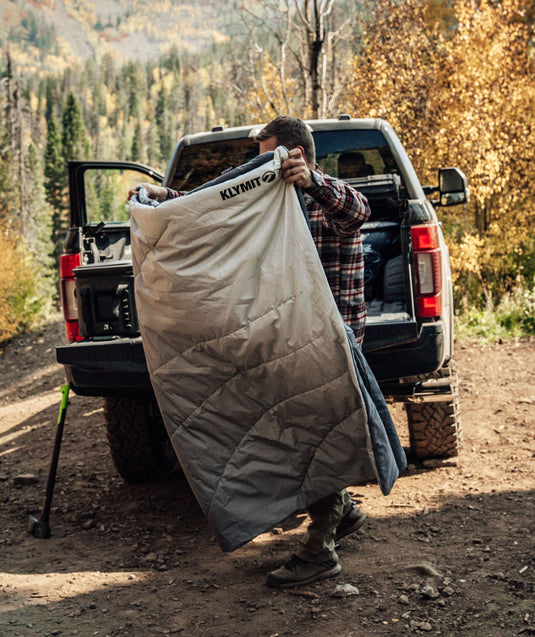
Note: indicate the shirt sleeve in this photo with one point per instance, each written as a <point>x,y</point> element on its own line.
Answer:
<point>344,208</point>
<point>173,194</point>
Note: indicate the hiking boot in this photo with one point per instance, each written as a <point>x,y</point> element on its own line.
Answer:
<point>350,522</point>
<point>297,572</point>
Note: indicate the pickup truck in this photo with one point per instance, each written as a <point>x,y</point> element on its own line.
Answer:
<point>409,332</point>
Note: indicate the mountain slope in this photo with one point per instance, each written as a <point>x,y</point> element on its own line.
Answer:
<point>53,34</point>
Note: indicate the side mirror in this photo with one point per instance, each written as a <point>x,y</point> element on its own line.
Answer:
<point>453,187</point>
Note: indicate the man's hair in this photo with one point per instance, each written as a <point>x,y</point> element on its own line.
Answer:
<point>290,132</point>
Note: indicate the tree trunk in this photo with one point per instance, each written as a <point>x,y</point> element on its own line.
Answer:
<point>14,118</point>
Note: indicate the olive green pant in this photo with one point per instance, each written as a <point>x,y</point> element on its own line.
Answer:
<point>325,515</point>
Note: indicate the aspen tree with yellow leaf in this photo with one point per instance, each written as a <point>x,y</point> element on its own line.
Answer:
<point>459,89</point>
<point>395,71</point>
<point>18,290</point>
<point>485,96</point>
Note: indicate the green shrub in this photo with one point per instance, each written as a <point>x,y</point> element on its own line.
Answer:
<point>512,318</point>
<point>516,311</point>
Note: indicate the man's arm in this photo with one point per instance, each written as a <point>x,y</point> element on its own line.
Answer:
<point>158,193</point>
<point>345,208</point>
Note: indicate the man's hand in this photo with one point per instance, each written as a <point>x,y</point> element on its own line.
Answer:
<point>295,169</point>
<point>159,193</point>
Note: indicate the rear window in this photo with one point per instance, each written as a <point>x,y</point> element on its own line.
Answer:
<point>200,163</point>
<point>346,154</point>
<point>354,153</point>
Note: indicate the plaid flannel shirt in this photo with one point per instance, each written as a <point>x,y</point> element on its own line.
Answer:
<point>336,211</point>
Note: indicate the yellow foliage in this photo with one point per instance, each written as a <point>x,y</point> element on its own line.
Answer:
<point>489,264</point>
<point>219,38</point>
<point>110,100</point>
<point>394,75</point>
<point>17,287</point>
<point>34,103</point>
<point>485,97</point>
<point>463,97</point>
<point>466,256</point>
<point>270,96</point>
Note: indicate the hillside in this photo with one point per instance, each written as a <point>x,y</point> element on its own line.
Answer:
<point>45,35</point>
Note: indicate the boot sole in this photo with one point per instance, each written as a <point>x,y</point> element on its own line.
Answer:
<point>276,583</point>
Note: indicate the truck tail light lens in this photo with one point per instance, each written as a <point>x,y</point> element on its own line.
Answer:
<point>67,263</point>
<point>428,270</point>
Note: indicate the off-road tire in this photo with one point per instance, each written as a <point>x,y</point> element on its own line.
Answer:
<point>435,428</point>
<point>138,441</point>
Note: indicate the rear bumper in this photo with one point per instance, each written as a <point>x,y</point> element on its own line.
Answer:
<point>118,367</point>
<point>106,368</point>
<point>423,356</point>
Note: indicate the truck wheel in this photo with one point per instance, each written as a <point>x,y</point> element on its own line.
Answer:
<point>434,415</point>
<point>138,441</point>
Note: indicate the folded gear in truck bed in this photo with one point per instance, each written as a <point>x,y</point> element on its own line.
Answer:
<point>385,195</point>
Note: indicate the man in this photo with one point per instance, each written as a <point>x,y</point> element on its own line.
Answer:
<point>335,212</point>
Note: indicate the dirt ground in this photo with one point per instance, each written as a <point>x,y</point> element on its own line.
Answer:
<point>449,552</point>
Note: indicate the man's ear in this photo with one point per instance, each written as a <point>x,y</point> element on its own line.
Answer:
<point>305,157</point>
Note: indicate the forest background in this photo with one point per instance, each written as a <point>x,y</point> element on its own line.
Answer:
<point>110,80</point>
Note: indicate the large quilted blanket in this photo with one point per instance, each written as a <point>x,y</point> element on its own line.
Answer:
<point>266,400</point>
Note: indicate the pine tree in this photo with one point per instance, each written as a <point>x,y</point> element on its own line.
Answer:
<point>136,87</point>
<point>162,124</point>
<point>50,92</point>
<point>74,140</point>
<point>41,246</point>
<point>55,184</point>
<point>136,153</point>
<point>14,168</point>
<point>54,170</point>
<point>152,149</point>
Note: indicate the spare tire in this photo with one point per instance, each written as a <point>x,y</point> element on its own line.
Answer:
<point>434,420</point>
<point>394,280</point>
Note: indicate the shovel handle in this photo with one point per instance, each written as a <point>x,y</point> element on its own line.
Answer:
<point>64,400</point>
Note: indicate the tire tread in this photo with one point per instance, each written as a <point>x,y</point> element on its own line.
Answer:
<point>435,427</point>
<point>138,442</point>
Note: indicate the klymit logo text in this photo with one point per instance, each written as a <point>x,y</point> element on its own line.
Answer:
<point>234,191</point>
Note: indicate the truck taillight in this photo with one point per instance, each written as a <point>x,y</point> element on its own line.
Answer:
<point>67,263</point>
<point>428,269</point>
